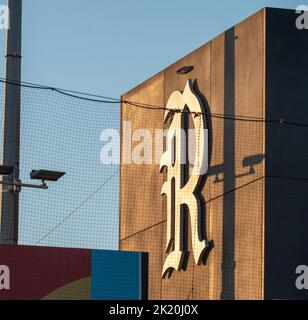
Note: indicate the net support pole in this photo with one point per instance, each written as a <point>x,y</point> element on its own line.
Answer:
<point>9,199</point>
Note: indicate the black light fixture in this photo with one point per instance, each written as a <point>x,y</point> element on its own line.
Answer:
<point>47,175</point>
<point>6,170</point>
<point>16,184</point>
<point>185,70</point>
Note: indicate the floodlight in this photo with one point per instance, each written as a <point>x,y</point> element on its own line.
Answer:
<point>46,175</point>
<point>6,170</point>
<point>185,70</point>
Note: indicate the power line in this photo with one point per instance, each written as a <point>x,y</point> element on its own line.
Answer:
<point>77,208</point>
<point>103,99</point>
<point>44,87</point>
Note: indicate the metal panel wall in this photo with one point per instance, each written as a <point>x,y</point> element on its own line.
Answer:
<point>229,73</point>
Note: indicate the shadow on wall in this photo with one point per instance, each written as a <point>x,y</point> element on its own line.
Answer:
<point>228,169</point>
<point>225,173</point>
<point>248,162</point>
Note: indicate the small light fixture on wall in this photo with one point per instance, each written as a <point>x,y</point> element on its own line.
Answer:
<point>185,70</point>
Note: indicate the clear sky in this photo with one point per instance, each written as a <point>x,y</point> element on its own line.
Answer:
<point>109,46</point>
<point>105,47</point>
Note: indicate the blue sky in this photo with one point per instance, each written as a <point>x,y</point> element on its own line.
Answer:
<point>103,47</point>
<point>109,46</point>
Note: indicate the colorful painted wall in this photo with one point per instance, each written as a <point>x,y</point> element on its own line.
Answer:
<point>59,273</point>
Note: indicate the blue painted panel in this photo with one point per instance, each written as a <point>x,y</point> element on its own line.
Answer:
<point>116,275</point>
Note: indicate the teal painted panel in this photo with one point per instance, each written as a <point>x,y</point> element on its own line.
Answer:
<point>118,275</point>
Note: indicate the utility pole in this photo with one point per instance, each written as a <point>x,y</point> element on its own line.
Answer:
<point>9,197</point>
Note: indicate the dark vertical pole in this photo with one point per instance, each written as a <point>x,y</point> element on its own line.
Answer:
<point>228,263</point>
<point>9,199</point>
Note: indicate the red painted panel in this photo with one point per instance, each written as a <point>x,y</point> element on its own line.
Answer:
<point>37,271</point>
